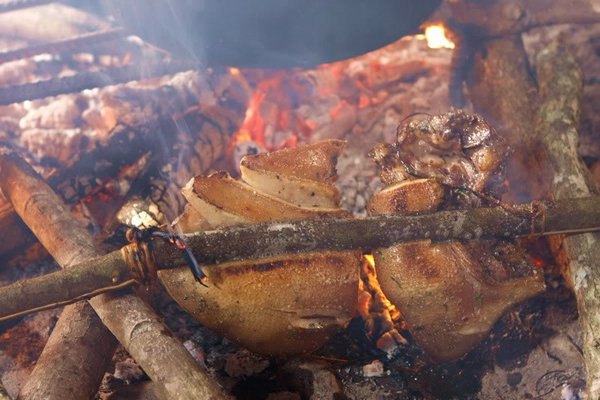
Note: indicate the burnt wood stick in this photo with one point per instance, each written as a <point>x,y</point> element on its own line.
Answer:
<point>71,44</point>
<point>89,80</point>
<point>72,348</point>
<point>201,134</point>
<point>12,5</point>
<point>503,18</point>
<point>557,121</point>
<point>130,320</point>
<point>291,237</point>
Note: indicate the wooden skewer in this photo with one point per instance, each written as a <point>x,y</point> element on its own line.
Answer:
<point>115,270</point>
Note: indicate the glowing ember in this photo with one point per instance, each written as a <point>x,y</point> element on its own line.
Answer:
<point>267,114</point>
<point>436,37</point>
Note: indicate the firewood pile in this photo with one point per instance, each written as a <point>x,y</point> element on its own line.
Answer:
<point>272,163</point>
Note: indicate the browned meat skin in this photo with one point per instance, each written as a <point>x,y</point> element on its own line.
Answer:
<point>457,149</point>
<point>450,294</point>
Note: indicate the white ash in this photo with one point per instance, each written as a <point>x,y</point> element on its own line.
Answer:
<point>374,369</point>
<point>569,392</point>
<point>358,179</point>
<point>59,114</point>
<point>547,370</point>
<point>195,350</point>
<point>243,149</point>
<point>17,72</point>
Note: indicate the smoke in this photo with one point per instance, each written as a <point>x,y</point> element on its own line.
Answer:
<point>270,33</point>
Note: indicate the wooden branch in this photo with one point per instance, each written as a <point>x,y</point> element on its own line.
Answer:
<point>561,87</point>
<point>275,239</point>
<point>13,5</point>
<point>133,145</point>
<point>72,44</point>
<point>504,18</point>
<point>130,320</point>
<point>89,80</point>
<point>501,89</point>
<point>72,349</point>
<point>512,98</point>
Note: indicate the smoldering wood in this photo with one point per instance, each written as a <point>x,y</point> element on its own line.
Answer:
<point>60,21</point>
<point>557,122</point>
<point>13,5</point>
<point>290,237</point>
<point>71,44</point>
<point>130,320</point>
<point>202,134</point>
<point>89,80</point>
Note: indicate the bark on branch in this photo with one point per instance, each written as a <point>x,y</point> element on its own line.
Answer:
<point>273,239</point>
<point>79,345</point>
<point>129,319</point>
<point>561,86</point>
<point>503,18</point>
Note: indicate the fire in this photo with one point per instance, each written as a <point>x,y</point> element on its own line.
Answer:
<point>436,37</point>
<point>382,319</point>
<point>268,113</point>
<point>335,99</point>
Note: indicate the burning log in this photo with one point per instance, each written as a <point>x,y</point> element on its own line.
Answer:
<point>557,121</point>
<point>161,355</point>
<point>88,80</point>
<point>363,96</point>
<point>142,140</point>
<point>62,45</point>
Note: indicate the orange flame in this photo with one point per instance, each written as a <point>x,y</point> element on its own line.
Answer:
<point>268,109</point>
<point>370,259</point>
<point>436,37</point>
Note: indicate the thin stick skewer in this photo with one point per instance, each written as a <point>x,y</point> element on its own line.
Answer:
<point>274,239</point>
